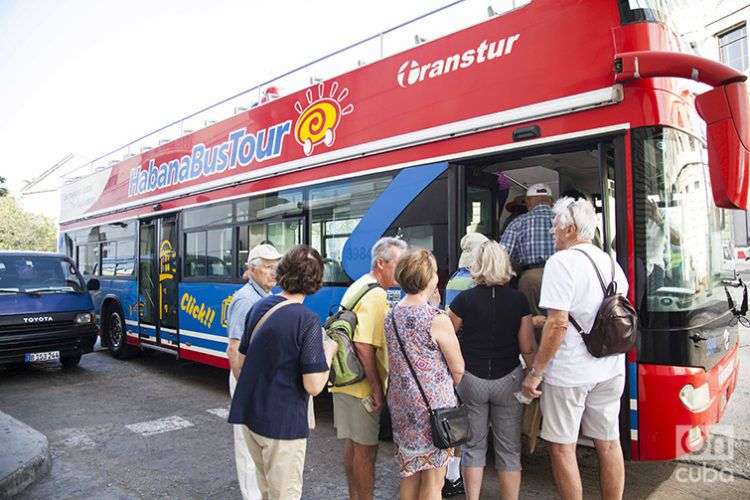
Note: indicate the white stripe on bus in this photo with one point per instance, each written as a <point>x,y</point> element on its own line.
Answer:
<point>205,336</point>
<point>203,350</point>
<point>554,107</point>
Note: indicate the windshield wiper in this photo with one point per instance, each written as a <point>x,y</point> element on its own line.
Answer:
<point>10,290</point>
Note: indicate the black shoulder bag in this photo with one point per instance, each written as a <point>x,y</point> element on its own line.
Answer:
<point>449,426</point>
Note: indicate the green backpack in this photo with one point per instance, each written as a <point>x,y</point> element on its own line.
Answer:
<point>346,369</point>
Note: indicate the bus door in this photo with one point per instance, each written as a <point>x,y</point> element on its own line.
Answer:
<point>483,199</point>
<point>157,282</point>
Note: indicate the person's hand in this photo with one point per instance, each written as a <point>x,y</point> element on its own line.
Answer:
<point>530,385</point>
<point>377,399</point>
<point>329,347</point>
<point>538,321</point>
<point>435,298</point>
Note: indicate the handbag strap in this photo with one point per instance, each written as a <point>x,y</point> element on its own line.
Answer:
<point>267,315</point>
<point>408,361</point>
<point>605,289</point>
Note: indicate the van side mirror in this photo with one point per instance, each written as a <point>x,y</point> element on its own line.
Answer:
<point>92,285</point>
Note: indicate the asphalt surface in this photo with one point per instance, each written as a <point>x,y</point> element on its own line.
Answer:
<point>155,427</point>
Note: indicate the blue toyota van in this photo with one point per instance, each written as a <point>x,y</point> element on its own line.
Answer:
<point>46,312</point>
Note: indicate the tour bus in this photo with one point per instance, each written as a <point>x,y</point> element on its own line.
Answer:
<point>436,141</point>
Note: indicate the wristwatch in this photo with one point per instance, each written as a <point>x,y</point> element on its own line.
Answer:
<point>536,374</point>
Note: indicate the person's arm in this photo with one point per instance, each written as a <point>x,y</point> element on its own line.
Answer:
<point>368,336</point>
<point>235,330</point>
<point>526,340</point>
<point>553,334</point>
<point>315,382</point>
<point>236,359</point>
<point>455,320</point>
<point>445,336</point>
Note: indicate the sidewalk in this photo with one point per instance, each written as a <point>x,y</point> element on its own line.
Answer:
<point>24,456</point>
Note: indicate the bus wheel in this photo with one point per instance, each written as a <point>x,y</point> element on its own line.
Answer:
<point>69,362</point>
<point>114,329</point>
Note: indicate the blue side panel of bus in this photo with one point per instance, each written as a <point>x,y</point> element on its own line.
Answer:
<point>125,291</point>
<point>203,314</point>
<point>381,214</point>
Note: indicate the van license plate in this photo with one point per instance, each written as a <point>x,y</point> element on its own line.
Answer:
<point>42,356</point>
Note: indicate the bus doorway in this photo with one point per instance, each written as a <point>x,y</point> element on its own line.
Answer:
<point>157,282</point>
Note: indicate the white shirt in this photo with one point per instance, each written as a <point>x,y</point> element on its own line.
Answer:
<point>570,284</point>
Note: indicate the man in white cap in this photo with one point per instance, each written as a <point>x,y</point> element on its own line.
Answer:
<point>529,242</point>
<point>261,278</point>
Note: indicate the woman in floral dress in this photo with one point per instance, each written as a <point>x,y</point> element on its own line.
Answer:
<point>431,344</point>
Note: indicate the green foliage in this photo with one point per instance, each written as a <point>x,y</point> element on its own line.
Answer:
<point>21,230</point>
<point>3,189</point>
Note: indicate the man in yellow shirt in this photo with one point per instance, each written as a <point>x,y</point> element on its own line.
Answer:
<point>356,407</point>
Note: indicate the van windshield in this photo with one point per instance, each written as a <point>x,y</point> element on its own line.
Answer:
<point>38,274</point>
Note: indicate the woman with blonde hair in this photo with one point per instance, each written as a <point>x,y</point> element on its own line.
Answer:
<point>496,327</point>
<point>416,329</point>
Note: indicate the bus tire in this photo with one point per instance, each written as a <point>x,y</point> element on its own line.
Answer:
<point>116,335</point>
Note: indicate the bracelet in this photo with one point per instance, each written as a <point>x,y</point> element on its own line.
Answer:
<point>536,374</point>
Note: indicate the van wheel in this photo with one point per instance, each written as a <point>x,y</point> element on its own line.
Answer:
<point>114,329</point>
<point>69,362</point>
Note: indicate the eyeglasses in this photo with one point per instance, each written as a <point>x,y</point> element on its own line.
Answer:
<point>572,216</point>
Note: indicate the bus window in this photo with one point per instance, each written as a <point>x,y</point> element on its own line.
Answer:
<point>211,215</point>
<point>267,206</point>
<point>424,223</point>
<point>282,234</point>
<point>88,259</point>
<point>335,211</point>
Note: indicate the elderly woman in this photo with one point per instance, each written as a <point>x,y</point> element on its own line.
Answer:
<point>496,327</point>
<point>416,329</point>
<point>461,279</point>
<point>287,362</point>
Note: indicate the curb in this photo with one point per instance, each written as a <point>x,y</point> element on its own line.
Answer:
<point>24,457</point>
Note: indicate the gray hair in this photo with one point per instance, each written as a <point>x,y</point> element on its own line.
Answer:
<point>579,213</point>
<point>382,249</point>
<point>491,265</point>
<point>253,263</point>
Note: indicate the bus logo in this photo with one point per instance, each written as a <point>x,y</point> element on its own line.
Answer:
<point>412,72</point>
<point>318,121</point>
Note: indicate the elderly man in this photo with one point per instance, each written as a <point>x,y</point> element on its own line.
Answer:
<point>261,278</point>
<point>356,407</point>
<point>580,392</point>
<point>529,243</point>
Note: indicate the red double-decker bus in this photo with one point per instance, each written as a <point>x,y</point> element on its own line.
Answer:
<point>431,143</point>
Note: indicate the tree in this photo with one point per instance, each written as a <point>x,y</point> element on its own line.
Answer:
<point>3,189</point>
<point>21,230</point>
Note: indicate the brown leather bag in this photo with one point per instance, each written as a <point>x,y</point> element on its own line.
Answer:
<point>615,329</point>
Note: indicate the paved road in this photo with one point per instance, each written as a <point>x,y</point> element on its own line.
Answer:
<point>154,427</point>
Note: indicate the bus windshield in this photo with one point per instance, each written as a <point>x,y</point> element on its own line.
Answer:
<point>38,274</point>
<point>683,241</point>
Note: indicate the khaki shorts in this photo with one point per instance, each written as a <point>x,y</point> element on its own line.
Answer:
<point>279,464</point>
<point>353,421</point>
<point>592,409</point>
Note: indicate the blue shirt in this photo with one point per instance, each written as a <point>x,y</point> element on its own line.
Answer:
<point>527,239</point>
<point>270,398</point>
<point>460,281</point>
<point>243,300</point>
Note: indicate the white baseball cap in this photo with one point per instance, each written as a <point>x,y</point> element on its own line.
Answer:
<point>539,189</point>
<point>263,251</point>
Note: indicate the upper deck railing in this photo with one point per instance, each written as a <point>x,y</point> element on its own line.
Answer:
<point>429,26</point>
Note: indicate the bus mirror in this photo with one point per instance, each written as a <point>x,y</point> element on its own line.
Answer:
<point>726,110</point>
<point>92,285</point>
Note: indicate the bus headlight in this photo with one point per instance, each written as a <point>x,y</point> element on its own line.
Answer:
<point>696,399</point>
<point>84,318</point>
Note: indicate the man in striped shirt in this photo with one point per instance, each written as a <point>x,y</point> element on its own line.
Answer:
<point>529,242</point>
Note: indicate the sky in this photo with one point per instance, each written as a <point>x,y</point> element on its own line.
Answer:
<point>85,77</point>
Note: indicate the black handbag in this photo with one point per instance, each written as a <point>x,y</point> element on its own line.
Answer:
<point>449,426</point>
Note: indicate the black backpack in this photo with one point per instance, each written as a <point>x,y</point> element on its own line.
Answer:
<point>615,329</point>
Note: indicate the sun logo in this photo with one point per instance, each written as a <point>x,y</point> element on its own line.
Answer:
<point>318,121</point>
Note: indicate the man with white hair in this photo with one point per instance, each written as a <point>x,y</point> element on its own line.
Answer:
<point>529,243</point>
<point>580,393</point>
<point>261,278</point>
<point>356,407</point>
